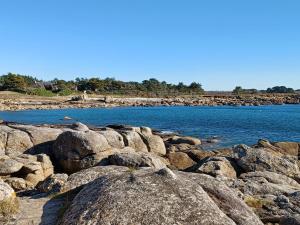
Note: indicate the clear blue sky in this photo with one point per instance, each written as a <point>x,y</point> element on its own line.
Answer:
<point>219,43</point>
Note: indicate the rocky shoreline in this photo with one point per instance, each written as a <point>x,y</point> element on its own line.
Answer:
<point>74,174</point>
<point>29,102</point>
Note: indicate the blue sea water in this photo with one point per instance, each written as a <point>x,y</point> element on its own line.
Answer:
<point>232,125</point>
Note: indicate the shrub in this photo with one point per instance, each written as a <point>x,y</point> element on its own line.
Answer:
<point>280,89</point>
<point>65,92</point>
<point>41,92</point>
<point>13,82</point>
<point>238,90</point>
<point>255,202</point>
<point>9,207</point>
<point>131,169</point>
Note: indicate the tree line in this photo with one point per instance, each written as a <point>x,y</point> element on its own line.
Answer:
<point>277,89</point>
<point>110,86</point>
<point>151,87</point>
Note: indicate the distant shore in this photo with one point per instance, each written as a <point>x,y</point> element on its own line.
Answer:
<point>15,102</point>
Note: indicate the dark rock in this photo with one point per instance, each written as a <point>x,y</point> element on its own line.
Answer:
<point>53,184</point>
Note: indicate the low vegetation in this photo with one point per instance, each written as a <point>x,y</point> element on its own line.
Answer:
<point>257,203</point>
<point>8,208</point>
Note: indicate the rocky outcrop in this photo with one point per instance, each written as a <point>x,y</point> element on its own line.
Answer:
<point>42,138</point>
<point>264,183</point>
<point>53,184</point>
<point>35,168</point>
<point>17,183</point>
<point>9,166</point>
<point>217,166</point>
<point>25,170</point>
<point>6,192</point>
<point>286,148</point>
<point>134,140</point>
<point>113,138</point>
<point>154,144</point>
<point>79,149</point>
<point>290,148</point>
<point>76,150</point>
<point>184,140</point>
<point>272,196</point>
<point>121,173</point>
<point>227,199</point>
<point>79,102</point>
<point>79,127</point>
<point>8,202</point>
<point>265,159</point>
<point>180,160</point>
<point>16,139</point>
<point>198,154</point>
<point>147,197</point>
<point>13,141</point>
<point>83,177</point>
<point>180,147</point>
<point>136,159</point>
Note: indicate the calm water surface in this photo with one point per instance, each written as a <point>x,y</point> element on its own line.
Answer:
<point>233,125</point>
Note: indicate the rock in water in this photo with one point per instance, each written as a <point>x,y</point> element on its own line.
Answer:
<point>185,140</point>
<point>145,196</point>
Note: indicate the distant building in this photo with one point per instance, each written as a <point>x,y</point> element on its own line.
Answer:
<point>47,85</point>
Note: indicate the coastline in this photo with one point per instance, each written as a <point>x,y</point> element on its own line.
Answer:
<point>24,102</point>
<point>139,165</point>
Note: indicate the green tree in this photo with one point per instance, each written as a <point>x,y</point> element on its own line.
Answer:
<point>13,82</point>
<point>94,84</point>
<point>196,87</point>
<point>238,90</point>
<point>280,89</point>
